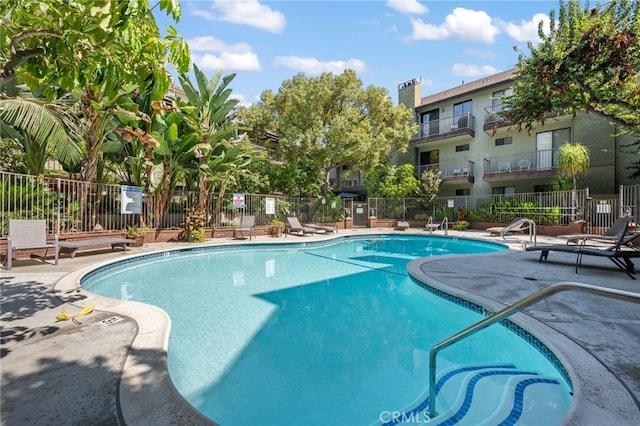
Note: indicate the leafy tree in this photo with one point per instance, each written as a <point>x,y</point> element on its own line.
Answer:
<point>12,155</point>
<point>299,177</point>
<point>393,182</point>
<point>332,121</point>
<point>93,50</point>
<point>431,182</point>
<point>589,61</point>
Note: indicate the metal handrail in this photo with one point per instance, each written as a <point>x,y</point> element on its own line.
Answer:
<point>516,307</point>
<point>445,221</point>
<point>532,229</point>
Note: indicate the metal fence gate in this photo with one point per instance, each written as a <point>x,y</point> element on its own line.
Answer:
<point>601,212</point>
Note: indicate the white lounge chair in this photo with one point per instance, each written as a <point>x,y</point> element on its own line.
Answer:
<point>29,234</point>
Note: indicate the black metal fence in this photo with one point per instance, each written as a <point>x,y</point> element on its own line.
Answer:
<point>73,206</point>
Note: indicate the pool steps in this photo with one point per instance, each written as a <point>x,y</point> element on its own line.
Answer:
<point>489,395</point>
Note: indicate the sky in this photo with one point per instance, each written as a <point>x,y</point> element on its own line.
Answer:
<point>387,42</point>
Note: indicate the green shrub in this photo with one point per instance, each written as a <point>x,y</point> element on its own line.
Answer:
<point>461,225</point>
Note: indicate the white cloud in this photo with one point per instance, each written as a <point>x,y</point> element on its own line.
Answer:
<point>528,30</point>
<point>252,13</point>
<point>242,102</point>
<point>408,6</point>
<point>463,24</point>
<point>222,56</point>
<point>212,44</point>
<point>464,70</point>
<point>203,14</point>
<point>314,66</point>
<point>228,61</point>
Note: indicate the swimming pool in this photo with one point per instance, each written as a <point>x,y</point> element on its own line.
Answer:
<point>314,333</point>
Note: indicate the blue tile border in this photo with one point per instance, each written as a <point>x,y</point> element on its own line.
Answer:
<point>510,325</point>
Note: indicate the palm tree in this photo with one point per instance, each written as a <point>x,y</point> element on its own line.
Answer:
<point>573,161</point>
<point>44,129</point>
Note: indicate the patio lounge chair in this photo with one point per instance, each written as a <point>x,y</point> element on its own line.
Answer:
<point>29,234</point>
<point>325,228</point>
<point>620,253</point>
<point>247,225</point>
<point>619,227</point>
<point>402,225</point>
<point>519,226</point>
<point>72,246</point>
<point>293,225</point>
<point>623,249</point>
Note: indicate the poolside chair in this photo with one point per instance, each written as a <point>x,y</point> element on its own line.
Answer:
<point>624,247</point>
<point>620,225</point>
<point>29,234</point>
<point>402,225</point>
<point>518,226</point>
<point>322,228</point>
<point>293,225</point>
<point>621,253</point>
<point>247,225</point>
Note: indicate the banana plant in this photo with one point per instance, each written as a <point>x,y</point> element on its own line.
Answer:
<point>220,154</point>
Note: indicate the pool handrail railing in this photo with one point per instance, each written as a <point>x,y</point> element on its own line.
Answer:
<point>509,310</point>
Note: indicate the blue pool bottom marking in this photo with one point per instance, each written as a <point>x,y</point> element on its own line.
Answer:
<point>518,403</point>
<point>425,403</point>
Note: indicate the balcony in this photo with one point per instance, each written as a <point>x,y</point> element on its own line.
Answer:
<point>452,172</point>
<point>445,128</point>
<point>521,166</point>
<point>493,120</point>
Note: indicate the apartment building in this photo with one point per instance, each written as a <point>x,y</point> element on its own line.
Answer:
<point>462,134</point>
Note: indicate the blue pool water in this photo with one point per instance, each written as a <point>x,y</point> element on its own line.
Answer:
<point>313,333</point>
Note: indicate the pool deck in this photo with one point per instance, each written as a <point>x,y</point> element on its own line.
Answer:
<point>110,366</point>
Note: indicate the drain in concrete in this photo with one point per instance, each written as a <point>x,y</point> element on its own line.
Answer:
<point>111,321</point>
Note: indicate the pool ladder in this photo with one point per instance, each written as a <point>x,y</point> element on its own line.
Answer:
<point>531,228</point>
<point>512,309</point>
<point>443,225</point>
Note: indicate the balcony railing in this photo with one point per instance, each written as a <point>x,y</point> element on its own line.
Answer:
<point>492,115</point>
<point>450,170</point>
<point>445,127</point>
<point>536,161</point>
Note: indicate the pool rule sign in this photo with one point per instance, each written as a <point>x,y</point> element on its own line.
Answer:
<point>238,201</point>
<point>131,197</point>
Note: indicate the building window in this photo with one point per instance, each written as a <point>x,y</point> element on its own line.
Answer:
<point>460,148</point>
<point>542,188</point>
<point>496,99</point>
<point>546,142</point>
<point>503,141</point>
<point>503,190</point>
<point>430,123</point>
<point>463,191</point>
<point>461,114</point>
